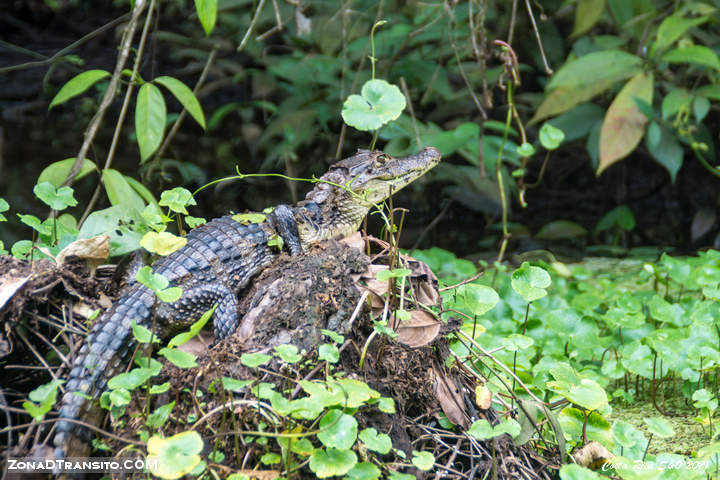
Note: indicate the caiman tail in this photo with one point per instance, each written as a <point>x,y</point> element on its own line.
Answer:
<point>105,353</point>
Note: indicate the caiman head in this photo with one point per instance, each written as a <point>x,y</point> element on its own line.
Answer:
<point>345,194</point>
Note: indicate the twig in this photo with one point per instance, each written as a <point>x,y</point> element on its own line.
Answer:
<point>251,27</point>
<point>107,100</point>
<point>548,70</point>
<point>123,111</point>
<point>404,87</point>
<point>474,277</point>
<point>72,46</point>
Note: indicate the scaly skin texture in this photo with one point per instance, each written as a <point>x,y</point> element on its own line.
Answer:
<point>219,259</point>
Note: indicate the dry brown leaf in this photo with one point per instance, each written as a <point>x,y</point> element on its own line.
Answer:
<point>355,241</point>
<point>9,286</point>
<point>421,329</point>
<point>449,397</point>
<point>592,456</point>
<point>93,250</point>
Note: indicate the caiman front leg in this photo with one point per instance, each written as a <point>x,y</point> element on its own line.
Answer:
<point>197,300</point>
<point>283,221</point>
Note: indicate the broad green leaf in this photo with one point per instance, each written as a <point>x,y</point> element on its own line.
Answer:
<point>78,85</point>
<point>120,192</point>
<point>131,380</point>
<point>33,222</point>
<point>478,298</point>
<point>587,14</point>
<point>581,79</point>
<point>207,13</point>
<point>517,342</point>
<point>332,462</point>
<point>624,124</point>
<point>696,54</point>
<point>660,427</point>
<point>329,353</point>
<point>118,397</point>
<point>676,100</point>
<point>179,358</point>
<point>620,216</point>
<point>334,336</point>
<point>4,207</point>
<point>270,458</point>
<point>159,389</point>
<point>46,393</point>
<point>182,92</point>
<point>378,103</point>
<point>530,282</point>
<point>254,360</point>
<point>423,460</point>
<point>551,137</point>
<point>142,190</point>
<point>177,199</point>
<point>57,199</point>
<point>364,471</point>
<point>665,148</point>
<point>143,334</point>
<point>377,442</point>
<point>234,385</point>
<point>175,456</point>
<point>481,429</point>
<point>154,281</point>
<point>671,29</point>
<point>589,395</point>
<point>526,150</point>
<point>337,430</point>
<point>576,472</point>
<point>248,218</point>
<point>160,415</point>
<point>701,107</point>
<point>150,116</point>
<point>169,295</point>
<point>288,353</point>
<point>57,172</point>
<point>163,243</point>
<point>385,275</point>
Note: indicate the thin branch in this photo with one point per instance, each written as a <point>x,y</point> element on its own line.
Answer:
<point>60,53</point>
<point>123,110</point>
<point>107,100</point>
<point>251,27</point>
<point>548,70</point>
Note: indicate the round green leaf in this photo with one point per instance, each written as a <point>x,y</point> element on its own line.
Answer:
<point>329,353</point>
<point>254,360</point>
<point>150,116</point>
<point>660,427</point>
<point>551,137</point>
<point>338,430</point>
<point>332,462</point>
<point>589,395</point>
<point>481,429</point>
<point>364,471</point>
<point>377,442</point>
<point>174,456</point>
<point>378,103</point>
<point>515,342</point>
<point>57,199</point>
<point>573,471</point>
<point>526,150</point>
<point>78,85</point>
<point>179,358</point>
<point>423,460</point>
<point>288,353</point>
<point>130,380</point>
<point>182,92</point>
<point>479,298</point>
<point>530,282</point>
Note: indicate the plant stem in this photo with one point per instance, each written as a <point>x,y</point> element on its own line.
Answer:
<point>372,47</point>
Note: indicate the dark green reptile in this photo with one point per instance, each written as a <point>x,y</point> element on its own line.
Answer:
<point>219,259</point>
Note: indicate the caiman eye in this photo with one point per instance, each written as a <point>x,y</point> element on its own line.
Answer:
<point>381,159</point>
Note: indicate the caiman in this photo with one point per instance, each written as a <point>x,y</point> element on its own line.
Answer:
<point>218,261</point>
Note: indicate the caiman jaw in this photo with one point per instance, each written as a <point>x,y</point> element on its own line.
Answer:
<point>330,211</point>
